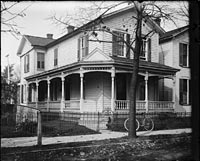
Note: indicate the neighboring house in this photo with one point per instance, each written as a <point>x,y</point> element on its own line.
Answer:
<point>77,73</point>
<point>174,52</point>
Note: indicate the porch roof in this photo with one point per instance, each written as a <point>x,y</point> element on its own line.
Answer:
<point>146,65</point>
<point>116,61</point>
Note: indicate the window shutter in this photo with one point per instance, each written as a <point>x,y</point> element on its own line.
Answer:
<point>181,54</point>
<point>78,52</point>
<point>127,47</point>
<point>55,56</point>
<point>24,64</point>
<point>149,49</point>
<point>86,44</point>
<point>114,46</point>
<point>28,63</point>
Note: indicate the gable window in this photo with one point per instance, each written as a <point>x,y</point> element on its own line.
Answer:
<point>146,49</point>
<point>184,91</point>
<point>183,55</point>
<point>56,57</point>
<point>26,63</point>
<point>83,46</point>
<point>119,48</point>
<point>40,61</point>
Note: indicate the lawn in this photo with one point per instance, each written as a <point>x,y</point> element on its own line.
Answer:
<point>49,128</point>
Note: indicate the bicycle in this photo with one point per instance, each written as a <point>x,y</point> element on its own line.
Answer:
<point>147,123</point>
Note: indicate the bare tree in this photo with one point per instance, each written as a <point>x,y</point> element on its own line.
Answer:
<point>8,16</point>
<point>144,11</point>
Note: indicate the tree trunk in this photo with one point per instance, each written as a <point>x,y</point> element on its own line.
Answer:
<point>134,78</point>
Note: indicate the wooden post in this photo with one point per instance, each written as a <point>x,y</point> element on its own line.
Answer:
<point>48,94</point>
<point>37,84</point>
<point>39,129</point>
<point>62,97</point>
<point>112,89</point>
<point>81,91</point>
<point>174,92</point>
<point>146,92</point>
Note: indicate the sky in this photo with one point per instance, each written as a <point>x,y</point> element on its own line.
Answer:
<point>35,23</point>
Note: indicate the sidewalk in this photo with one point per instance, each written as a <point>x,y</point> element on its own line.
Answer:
<point>105,134</point>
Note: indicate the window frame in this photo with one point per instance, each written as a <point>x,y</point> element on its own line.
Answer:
<point>183,56</point>
<point>123,47</point>
<point>83,46</point>
<point>26,63</point>
<point>40,62</point>
<point>147,53</point>
<point>55,62</point>
<point>184,92</point>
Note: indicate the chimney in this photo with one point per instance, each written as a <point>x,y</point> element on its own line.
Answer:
<point>50,36</point>
<point>158,20</point>
<point>70,28</point>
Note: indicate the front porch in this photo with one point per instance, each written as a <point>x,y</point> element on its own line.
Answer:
<point>98,86</point>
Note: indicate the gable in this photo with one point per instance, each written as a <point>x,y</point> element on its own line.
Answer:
<point>24,46</point>
<point>97,55</point>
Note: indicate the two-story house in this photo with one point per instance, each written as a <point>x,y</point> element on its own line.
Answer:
<point>76,73</point>
<point>174,52</point>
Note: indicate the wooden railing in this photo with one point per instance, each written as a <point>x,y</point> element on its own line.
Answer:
<point>153,106</point>
<point>160,106</point>
<point>72,105</point>
<point>54,106</point>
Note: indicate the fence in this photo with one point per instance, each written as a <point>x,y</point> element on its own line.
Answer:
<point>30,122</point>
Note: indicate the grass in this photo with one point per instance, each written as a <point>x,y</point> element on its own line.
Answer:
<point>49,128</point>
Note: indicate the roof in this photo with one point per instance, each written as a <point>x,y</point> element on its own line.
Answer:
<point>170,34</point>
<point>38,41</point>
<point>80,29</point>
<point>146,65</point>
<point>116,61</point>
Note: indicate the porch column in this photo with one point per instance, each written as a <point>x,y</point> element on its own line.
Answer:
<point>63,97</point>
<point>113,90</point>
<point>48,94</point>
<point>81,91</point>
<point>36,96</point>
<point>20,93</point>
<point>146,92</point>
<point>27,93</point>
<point>174,91</point>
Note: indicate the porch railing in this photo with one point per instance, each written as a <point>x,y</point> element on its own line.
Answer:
<point>72,105</point>
<point>156,106</point>
<point>54,106</point>
<point>159,106</point>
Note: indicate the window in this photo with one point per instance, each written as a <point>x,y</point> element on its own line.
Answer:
<point>118,44</point>
<point>119,48</point>
<point>184,91</point>
<point>183,55</point>
<point>26,63</point>
<point>40,61</point>
<point>56,57</point>
<point>146,49</point>
<point>83,46</point>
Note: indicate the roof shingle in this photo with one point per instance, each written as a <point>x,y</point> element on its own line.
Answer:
<point>38,41</point>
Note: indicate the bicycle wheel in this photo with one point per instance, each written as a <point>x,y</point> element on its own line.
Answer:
<point>148,124</point>
<point>126,124</point>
